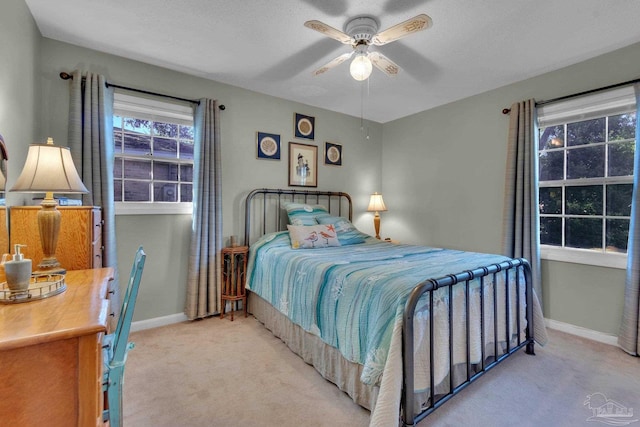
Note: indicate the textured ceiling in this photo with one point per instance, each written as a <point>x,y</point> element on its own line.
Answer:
<point>473,46</point>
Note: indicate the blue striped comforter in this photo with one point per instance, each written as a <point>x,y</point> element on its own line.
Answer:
<point>350,296</point>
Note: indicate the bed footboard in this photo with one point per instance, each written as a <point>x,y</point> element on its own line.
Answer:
<point>410,416</point>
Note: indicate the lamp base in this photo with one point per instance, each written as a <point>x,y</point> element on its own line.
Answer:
<point>52,270</point>
<point>49,224</point>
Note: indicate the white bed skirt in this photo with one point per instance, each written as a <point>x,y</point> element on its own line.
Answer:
<point>327,360</point>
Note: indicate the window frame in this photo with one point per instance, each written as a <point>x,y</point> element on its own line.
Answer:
<point>141,107</point>
<point>601,104</point>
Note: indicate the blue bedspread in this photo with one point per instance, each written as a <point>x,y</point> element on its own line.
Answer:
<point>350,296</point>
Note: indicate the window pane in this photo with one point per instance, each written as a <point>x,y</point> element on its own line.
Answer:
<point>136,191</point>
<point>585,233</point>
<point>165,147</point>
<point>584,200</point>
<point>551,165</point>
<point>139,126</point>
<point>586,132</point>
<point>165,129</point>
<point>117,190</point>
<point>550,200</point>
<point>617,235</point>
<point>165,171</point>
<point>137,145</point>
<point>186,132</point>
<point>117,141</point>
<point>186,173</point>
<point>117,123</point>
<point>186,150</point>
<point>117,169</point>
<point>619,199</point>
<point>140,169</point>
<point>186,193</point>
<point>622,126</point>
<point>551,231</point>
<point>551,137</point>
<point>587,162</point>
<point>163,192</point>
<point>621,158</point>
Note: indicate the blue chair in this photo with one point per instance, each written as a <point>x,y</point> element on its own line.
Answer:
<point>115,346</point>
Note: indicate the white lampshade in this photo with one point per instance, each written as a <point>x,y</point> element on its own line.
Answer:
<point>376,204</point>
<point>361,67</point>
<point>49,169</point>
<point>3,181</point>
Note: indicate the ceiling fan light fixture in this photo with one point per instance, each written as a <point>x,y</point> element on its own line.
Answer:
<point>361,67</point>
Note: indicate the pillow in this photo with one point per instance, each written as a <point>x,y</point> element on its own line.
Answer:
<point>302,213</point>
<point>348,234</point>
<point>312,236</point>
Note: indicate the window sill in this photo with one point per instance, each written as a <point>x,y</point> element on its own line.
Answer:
<point>155,208</point>
<point>583,256</point>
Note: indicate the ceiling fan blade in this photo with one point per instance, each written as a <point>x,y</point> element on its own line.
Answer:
<point>410,26</point>
<point>333,63</point>
<point>328,31</point>
<point>384,64</point>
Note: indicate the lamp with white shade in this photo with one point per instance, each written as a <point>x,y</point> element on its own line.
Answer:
<point>376,204</point>
<point>49,169</point>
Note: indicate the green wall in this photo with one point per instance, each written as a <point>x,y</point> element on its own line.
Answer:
<point>452,195</point>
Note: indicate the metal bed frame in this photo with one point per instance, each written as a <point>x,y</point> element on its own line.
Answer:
<point>339,202</point>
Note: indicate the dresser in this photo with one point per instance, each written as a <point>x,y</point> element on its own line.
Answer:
<point>79,242</point>
<point>51,355</point>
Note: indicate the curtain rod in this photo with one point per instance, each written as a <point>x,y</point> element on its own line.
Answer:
<point>67,76</point>
<point>586,92</point>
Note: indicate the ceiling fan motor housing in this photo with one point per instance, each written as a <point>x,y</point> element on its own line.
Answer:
<point>362,29</point>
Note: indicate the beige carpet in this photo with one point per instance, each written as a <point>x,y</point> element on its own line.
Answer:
<point>216,372</point>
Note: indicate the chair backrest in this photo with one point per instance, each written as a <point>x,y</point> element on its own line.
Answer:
<point>121,335</point>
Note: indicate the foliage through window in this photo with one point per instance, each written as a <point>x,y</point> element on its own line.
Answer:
<point>586,182</point>
<point>153,156</point>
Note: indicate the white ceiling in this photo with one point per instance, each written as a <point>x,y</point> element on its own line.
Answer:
<point>473,46</point>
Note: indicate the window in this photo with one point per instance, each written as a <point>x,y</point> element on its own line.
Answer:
<point>153,168</point>
<point>585,169</point>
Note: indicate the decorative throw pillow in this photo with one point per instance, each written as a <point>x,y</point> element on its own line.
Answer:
<point>348,234</point>
<point>312,236</point>
<point>303,214</point>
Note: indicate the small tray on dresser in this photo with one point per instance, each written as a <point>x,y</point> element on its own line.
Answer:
<point>41,286</point>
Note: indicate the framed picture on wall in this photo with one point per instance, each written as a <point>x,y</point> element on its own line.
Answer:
<point>303,165</point>
<point>304,126</point>
<point>268,145</point>
<point>332,154</point>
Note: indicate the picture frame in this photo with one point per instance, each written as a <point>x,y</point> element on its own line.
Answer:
<point>332,154</point>
<point>304,127</point>
<point>267,146</point>
<point>303,165</point>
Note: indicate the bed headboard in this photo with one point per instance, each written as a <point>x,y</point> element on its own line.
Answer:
<point>264,212</point>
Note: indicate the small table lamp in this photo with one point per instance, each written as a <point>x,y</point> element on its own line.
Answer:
<point>376,204</point>
<point>49,169</point>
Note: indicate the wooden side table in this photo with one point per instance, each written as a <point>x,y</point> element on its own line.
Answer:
<point>234,273</point>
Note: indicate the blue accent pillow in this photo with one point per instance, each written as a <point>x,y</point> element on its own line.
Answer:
<point>348,234</point>
<point>303,214</point>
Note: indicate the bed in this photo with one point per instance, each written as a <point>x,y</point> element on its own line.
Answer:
<point>400,328</point>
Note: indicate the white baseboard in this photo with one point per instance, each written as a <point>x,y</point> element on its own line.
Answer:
<point>158,321</point>
<point>582,332</point>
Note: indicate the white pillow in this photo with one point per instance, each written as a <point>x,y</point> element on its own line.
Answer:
<point>313,236</point>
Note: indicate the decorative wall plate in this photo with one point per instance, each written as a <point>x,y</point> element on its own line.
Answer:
<point>332,154</point>
<point>268,145</point>
<point>304,126</point>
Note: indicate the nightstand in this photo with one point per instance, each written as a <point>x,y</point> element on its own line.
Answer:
<point>233,275</point>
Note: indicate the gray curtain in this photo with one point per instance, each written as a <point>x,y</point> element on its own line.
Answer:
<point>92,149</point>
<point>629,337</point>
<point>203,290</point>
<point>520,237</point>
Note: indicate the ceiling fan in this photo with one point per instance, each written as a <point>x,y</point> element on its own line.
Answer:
<point>362,31</point>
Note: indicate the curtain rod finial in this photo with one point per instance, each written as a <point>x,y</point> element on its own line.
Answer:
<point>65,76</point>
<point>222,107</point>
<point>506,110</point>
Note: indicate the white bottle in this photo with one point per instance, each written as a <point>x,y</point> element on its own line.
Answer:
<point>18,271</point>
